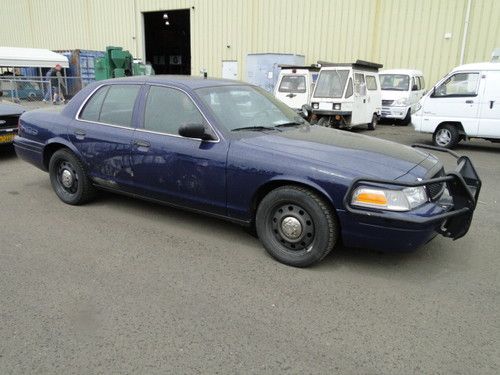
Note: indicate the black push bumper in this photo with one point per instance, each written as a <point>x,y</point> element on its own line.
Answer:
<point>463,186</point>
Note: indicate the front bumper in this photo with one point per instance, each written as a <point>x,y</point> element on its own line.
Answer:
<point>408,230</point>
<point>394,112</point>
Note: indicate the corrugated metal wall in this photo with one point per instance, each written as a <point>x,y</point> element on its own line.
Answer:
<point>397,33</point>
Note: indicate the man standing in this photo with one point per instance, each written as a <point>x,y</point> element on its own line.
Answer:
<point>55,85</point>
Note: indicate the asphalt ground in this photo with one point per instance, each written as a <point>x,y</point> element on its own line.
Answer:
<point>123,286</point>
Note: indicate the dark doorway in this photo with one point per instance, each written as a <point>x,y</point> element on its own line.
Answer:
<point>168,42</point>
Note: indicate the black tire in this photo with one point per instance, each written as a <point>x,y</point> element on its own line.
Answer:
<point>373,124</point>
<point>324,121</point>
<point>77,188</point>
<point>446,136</point>
<point>407,120</point>
<point>318,226</point>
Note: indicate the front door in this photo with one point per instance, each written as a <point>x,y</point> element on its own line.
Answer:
<point>456,99</point>
<point>166,166</point>
<point>489,122</point>
<point>103,133</point>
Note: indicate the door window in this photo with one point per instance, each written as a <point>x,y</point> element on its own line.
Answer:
<point>422,83</point>
<point>348,90</point>
<point>459,84</point>
<point>371,83</point>
<point>112,105</point>
<point>168,109</point>
<point>93,107</point>
<point>415,84</point>
<point>359,84</point>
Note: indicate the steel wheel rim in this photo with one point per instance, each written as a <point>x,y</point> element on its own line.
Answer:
<point>292,227</point>
<point>443,137</point>
<point>67,177</point>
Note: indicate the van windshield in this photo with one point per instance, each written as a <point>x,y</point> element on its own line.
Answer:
<point>395,82</point>
<point>331,83</point>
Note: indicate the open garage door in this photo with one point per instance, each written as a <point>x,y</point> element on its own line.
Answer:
<point>167,41</point>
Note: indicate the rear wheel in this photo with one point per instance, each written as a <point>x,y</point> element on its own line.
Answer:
<point>296,226</point>
<point>69,178</point>
<point>446,136</point>
<point>373,124</point>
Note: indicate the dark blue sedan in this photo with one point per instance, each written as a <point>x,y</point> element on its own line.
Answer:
<point>231,150</point>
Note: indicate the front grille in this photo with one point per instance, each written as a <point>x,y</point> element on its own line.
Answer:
<point>436,190</point>
<point>387,102</point>
<point>8,122</point>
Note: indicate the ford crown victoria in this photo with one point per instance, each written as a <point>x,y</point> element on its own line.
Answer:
<point>231,150</point>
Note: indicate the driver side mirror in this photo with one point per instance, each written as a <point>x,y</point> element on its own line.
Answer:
<point>195,131</point>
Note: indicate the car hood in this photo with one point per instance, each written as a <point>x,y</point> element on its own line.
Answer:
<point>7,109</point>
<point>356,154</point>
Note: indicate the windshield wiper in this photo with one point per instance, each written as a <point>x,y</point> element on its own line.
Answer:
<point>296,121</point>
<point>258,128</point>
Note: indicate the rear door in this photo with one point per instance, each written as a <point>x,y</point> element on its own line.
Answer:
<point>103,133</point>
<point>292,88</point>
<point>489,122</point>
<point>360,108</point>
<point>373,94</point>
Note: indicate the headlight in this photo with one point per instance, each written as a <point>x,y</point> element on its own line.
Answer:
<point>336,106</point>
<point>315,105</point>
<point>400,102</point>
<point>392,200</point>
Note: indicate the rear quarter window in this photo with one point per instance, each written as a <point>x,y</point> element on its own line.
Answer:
<point>291,83</point>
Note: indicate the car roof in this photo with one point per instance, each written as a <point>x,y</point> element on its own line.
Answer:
<point>478,66</point>
<point>189,82</point>
<point>402,71</point>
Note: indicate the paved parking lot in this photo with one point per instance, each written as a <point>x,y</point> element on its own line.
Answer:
<point>124,286</point>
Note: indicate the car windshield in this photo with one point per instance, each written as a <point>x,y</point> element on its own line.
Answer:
<point>292,83</point>
<point>238,107</point>
<point>395,82</point>
<point>331,83</point>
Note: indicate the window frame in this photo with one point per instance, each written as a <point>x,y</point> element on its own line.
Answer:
<point>143,109</point>
<point>91,95</point>
<point>433,95</point>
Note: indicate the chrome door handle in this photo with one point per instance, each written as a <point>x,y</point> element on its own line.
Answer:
<point>142,144</point>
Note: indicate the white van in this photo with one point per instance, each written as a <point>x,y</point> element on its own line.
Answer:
<point>295,85</point>
<point>401,91</point>
<point>347,95</point>
<point>464,104</point>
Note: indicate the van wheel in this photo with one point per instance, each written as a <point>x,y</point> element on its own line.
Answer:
<point>407,120</point>
<point>446,136</point>
<point>69,178</point>
<point>373,124</point>
<point>296,226</point>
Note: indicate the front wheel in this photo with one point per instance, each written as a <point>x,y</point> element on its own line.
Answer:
<point>373,124</point>
<point>407,120</point>
<point>446,136</point>
<point>296,226</point>
<point>69,178</point>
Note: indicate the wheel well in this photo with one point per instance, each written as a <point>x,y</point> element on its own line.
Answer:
<point>268,187</point>
<point>48,151</point>
<point>458,125</point>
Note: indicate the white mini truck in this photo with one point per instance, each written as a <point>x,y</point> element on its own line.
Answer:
<point>464,104</point>
<point>401,91</point>
<point>347,95</point>
<point>295,85</point>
